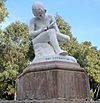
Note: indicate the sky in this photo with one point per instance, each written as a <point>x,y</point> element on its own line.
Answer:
<point>82,15</point>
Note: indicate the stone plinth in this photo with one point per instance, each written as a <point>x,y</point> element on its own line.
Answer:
<point>55,79</point>
<point>48,101</point>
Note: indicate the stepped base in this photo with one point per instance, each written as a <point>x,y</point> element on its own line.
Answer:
<point>49,101</point>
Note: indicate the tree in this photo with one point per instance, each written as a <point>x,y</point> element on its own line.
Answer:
<point>14,46</point>
<point>92,66</point>
<point>15,53</point>
<point>3,11</point>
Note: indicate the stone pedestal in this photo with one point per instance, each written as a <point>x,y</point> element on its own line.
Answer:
<point>53,80</point>
<point>47,101</point>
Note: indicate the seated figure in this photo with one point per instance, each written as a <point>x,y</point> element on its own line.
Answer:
<point>45,33</point>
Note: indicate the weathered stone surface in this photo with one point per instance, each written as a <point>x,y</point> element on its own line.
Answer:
<point>48,80</point>
<point>48,101</point>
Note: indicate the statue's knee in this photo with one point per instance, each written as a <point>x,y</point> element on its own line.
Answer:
<point>34,41</point>
<point>51,32</point>
<point>68,38</point>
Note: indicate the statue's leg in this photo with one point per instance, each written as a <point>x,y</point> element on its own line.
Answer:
<point>41,38</point>
<point>49,36</point>
<point>63,38</point>
<point>54,42</point>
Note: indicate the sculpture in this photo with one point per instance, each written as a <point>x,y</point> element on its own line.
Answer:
<point>45,33</point>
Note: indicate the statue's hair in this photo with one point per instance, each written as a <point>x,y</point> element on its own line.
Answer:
<point>37,5</point>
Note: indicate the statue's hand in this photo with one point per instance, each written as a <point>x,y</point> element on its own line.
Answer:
<point>51,25</point>
<point>44,29</point>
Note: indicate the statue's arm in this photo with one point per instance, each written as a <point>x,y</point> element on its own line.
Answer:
<point>32,32</point>
<point>55,26</point>
<point>61,37</point>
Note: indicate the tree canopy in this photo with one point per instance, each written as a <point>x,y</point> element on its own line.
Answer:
<point>3,11</point>
<point>14,46</point>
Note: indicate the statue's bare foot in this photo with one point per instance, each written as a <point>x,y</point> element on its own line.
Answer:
<point>63,53</point>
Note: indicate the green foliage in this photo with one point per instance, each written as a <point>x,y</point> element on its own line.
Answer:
<point>91,93</point>
<point>14,46</point>
<point>3,11</point>
<point>14,53</point>
<point>63,26</point>
<point>19,44</point>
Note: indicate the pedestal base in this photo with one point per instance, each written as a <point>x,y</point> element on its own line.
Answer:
<point>49,80</point>
<point>48,101</point>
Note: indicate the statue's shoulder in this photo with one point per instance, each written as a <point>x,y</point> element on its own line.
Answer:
<point>49,16</point>
<point>32,20</point>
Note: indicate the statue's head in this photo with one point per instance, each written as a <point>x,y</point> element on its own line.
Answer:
<point>38,9</point>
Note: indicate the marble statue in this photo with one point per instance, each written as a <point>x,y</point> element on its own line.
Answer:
<point>45,33</point>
